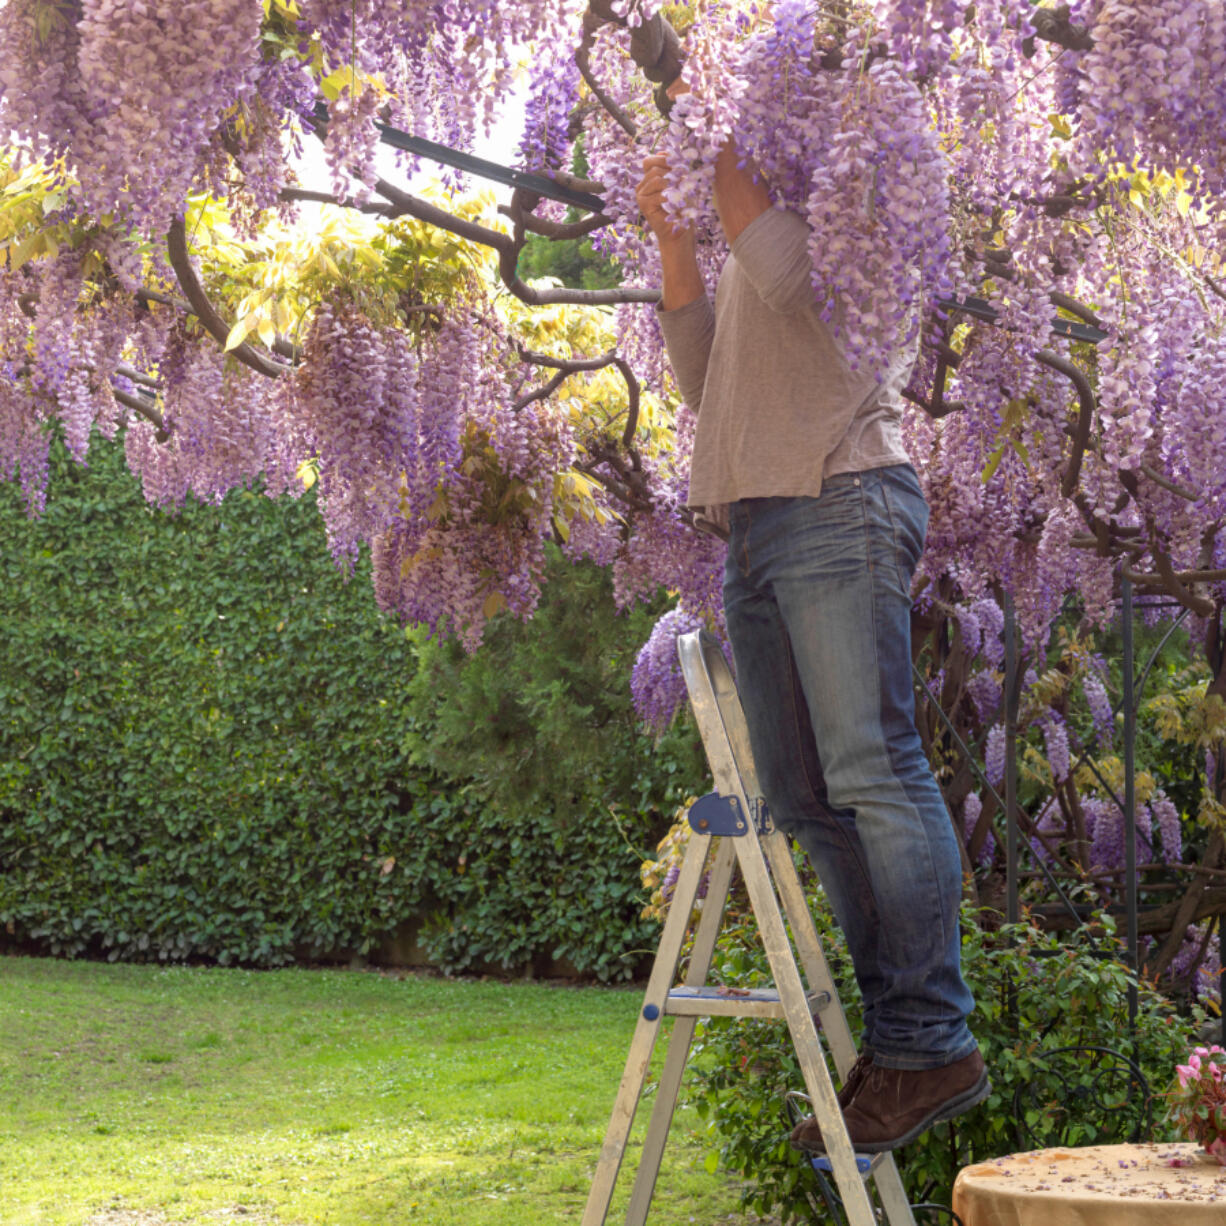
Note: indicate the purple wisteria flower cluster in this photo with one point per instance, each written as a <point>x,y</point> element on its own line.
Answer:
<point>465,538</point>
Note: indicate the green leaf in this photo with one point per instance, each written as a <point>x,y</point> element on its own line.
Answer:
<point>993,463</point>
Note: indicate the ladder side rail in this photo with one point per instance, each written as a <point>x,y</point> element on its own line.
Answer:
<point>812,957</point>
<point>667,1092</point>
<point>854,1191</point>
<point>705,936</point>
<point>638,1060</point>
<point>695,653</point>
<point>838,1034</point>
<point>707,933</point>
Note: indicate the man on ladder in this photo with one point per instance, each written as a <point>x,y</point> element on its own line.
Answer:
<point>799,460</point>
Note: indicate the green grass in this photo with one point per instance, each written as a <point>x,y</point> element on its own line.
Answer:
<point>144,1095</point>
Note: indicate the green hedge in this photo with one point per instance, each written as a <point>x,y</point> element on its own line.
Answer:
<point>212,747</point>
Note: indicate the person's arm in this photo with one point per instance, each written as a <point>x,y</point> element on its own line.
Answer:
<point>679,262</point>
<point>769,244</point>
<point>773,252</point>
<point>686,316</point>
<point>739,199</point>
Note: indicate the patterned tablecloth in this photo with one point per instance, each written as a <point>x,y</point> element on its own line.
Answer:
<point>1101,1185</point>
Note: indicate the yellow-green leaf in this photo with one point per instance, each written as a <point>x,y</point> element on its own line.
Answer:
<point>239,332</point>
<point>993,463</point>
<point>26,250</point>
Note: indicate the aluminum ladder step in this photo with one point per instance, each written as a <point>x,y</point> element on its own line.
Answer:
<point>735,1002</point>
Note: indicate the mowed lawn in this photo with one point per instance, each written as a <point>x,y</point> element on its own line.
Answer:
<point>141,1095</point>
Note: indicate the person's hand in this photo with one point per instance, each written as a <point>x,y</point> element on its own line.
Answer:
<point>650,197</point>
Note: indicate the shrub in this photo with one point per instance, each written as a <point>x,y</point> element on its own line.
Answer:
<point>212,747</point>
<point>1034,992</point>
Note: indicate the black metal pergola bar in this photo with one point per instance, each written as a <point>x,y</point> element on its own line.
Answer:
<point>1128,705</point>
<point>457,159</point>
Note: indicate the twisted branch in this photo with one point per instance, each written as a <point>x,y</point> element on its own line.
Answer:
<point>139,404</point>
<point>521,206</point>
<point>314,197</point>
<point>569,366</point>
<point>1054,26</point>
<point>561,229</point>
<point>1085,418</point>
<point>1073,307</point>
<point>583,61</point>
<point>1167,484</point>
<point>189,282</point>
<point>405,204</point>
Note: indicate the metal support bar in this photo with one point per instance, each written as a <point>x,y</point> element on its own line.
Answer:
<point>1012,689</point>
<point>539,184</point>
<point>980,308</point>
<point>1130,793</point>
<point>979,774</point>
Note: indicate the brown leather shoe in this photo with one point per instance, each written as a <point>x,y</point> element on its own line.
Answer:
<point>893,1106</point>
<point>807,1135</point>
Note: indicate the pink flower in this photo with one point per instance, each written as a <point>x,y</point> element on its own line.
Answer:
<point>1187,1072</point>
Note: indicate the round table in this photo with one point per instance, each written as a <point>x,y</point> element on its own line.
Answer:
<point>1100,1185</point>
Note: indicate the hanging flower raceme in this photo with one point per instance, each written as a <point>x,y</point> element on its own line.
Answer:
<point>477,547</point>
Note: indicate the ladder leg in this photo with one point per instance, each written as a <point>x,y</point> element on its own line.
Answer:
<point>681,1037</point>
<point>661,1119</point>
<point>646,1029</point>
<point>812,958</point>
<point>886,1175</point>
<point>858,1204</point>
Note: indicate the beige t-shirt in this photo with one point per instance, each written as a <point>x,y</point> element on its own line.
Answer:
<point>779,409</point>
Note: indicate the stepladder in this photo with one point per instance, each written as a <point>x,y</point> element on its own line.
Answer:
<point>730,830</point>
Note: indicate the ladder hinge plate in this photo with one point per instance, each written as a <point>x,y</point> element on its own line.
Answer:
<point>723,815</point>
<point>718,815</point>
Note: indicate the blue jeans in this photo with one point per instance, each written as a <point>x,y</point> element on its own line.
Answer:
<point>817,593</point>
